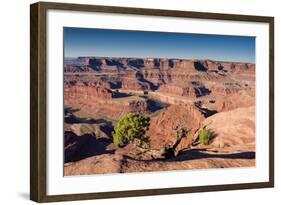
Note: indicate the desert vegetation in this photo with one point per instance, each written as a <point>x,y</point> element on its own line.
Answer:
<point>204,136</point>
<point>131,129</point>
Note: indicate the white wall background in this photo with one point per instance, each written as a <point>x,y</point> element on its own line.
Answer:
<point>14,101</point>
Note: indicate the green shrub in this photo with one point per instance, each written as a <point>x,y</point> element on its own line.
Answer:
<point>204,136</point>
<point>131,128</point>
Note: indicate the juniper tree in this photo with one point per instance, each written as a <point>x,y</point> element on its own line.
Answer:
<point>132,128</point>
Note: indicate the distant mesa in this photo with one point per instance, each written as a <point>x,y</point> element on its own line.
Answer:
<point>86,64</point>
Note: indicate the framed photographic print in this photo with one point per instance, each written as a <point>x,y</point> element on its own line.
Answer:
<point>134,102</point>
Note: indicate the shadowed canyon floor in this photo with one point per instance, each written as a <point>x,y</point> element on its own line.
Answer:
<point>174,93</point>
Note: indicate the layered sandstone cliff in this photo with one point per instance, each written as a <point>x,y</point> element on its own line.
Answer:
<point>192,90</point>
<point>97,99</point>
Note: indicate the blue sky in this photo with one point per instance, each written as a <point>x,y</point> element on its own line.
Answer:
<point>123,43</point>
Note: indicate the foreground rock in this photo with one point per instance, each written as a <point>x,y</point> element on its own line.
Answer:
<point>235,129</point>
<point>194,159</point>
<point>164,129</point>
<point>80,147</point>
<point>241,99</point>
<point>232,145</point>
<point>101,164</point>
<point>85,137</point>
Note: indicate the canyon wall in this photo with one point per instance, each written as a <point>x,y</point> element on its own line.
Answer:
<point>95,98</point>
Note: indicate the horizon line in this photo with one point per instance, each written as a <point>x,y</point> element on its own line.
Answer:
<point>176,58</point>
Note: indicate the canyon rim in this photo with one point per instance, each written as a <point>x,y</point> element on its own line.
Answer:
<point>183,102</point>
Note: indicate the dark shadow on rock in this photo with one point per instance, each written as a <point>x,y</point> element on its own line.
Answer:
<point>220,67</point>
<point>137,63</point>
<point>156,62</point>
<point>69,110</point>
<point>113,62</point>
<point>192,154</point>
<point>202,91</point>
<point>205,111</point>
<point>171,63</point>
<point>212,135</point>
<point>141,78</point>
<point>70,118</point>
<point>114,84</point>
<point>196,82</point>
<point>200,154</point>
<point>107,129</point>
<point>79,147</point>
<point>121,95</point>
<point>199,66</point>
<point>154,105</point>
<point>95,64</point>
